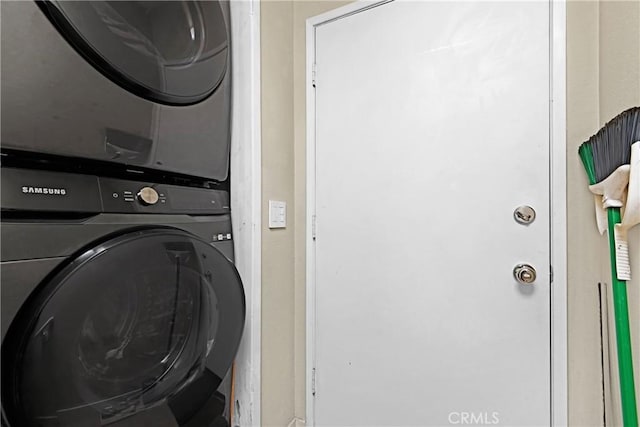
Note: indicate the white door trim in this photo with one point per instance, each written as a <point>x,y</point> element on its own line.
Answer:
<point>246,201</point>
<point>558,203</point>
<point>559,395</point>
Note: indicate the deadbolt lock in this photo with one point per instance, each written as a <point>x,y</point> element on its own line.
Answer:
<point>524,215</point>
<point>524,274</point>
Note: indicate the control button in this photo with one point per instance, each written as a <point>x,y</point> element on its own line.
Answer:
<point>148,196</point>
<point>115,195</point>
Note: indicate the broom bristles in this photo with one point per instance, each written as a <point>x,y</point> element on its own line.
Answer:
<point>610,147</point>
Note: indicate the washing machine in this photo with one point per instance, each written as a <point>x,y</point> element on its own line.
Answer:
<point>121,305</point>
<point>133,84</point>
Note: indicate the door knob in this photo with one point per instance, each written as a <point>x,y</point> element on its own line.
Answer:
<point>524,274</point>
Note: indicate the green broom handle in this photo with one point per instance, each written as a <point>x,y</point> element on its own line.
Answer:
<point>623,334</point>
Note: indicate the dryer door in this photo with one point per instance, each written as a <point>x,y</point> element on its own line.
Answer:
<point>138,330</point>
<point>172,52</point>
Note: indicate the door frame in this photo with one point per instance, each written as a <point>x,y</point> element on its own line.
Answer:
<point>246,202</point>
<point>558,197</point>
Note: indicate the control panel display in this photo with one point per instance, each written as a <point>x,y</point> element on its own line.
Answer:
<point>137,197</point>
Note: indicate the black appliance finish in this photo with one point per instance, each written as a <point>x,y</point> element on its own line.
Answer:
<point>139,83</point>
<point>120,303</point>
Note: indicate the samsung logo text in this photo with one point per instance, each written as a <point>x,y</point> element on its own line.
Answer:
<point>45,190</point>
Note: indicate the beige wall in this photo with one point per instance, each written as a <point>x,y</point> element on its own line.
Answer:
<point>277,397</point>
<point>584,246</point>
<point>283,250</point>
<point>603,78</point>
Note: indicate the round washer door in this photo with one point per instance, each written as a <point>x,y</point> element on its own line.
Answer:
<point>147,322</point>
<point>171,52</point>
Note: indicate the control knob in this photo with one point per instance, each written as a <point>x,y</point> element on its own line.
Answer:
<point>147,196</point>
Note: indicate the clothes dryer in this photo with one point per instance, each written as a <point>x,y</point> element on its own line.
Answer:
<point>131,83</point>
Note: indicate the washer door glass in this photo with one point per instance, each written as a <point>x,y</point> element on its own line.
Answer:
<point>172,52</point>
<point>126,327</point>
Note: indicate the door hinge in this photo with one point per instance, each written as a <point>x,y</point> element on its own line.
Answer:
<point>313,75</point>
<point>313,381</point>
<point>313,227</point>
<point>551,273</point>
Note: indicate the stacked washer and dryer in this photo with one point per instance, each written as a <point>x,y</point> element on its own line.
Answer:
<point>120,302</point>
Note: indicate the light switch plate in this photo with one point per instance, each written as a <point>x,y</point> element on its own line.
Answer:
<point>277,214</point>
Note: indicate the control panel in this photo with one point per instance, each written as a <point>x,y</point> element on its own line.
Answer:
<point>142,197</point>
<point>146,196</point>
<point>26,189</point>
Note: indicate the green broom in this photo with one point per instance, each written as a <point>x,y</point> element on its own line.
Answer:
<point>606,157</point>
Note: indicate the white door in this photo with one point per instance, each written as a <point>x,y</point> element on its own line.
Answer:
<point>431,127</point>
